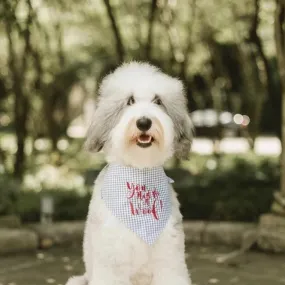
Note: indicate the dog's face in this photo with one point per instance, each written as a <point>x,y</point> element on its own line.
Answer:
<point>141,117</point>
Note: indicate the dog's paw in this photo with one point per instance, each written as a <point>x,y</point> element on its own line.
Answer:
<point>77,280</point>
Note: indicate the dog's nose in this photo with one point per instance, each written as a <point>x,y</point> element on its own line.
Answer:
<point>144,124</point>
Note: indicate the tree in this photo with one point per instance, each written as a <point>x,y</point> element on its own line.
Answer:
<point>279,204</point>
<point>40,77</point>
<point>148,47</point>
<point>117,34</point>
<point>263,78</point>
<point>18,68</point>
<point>204,43</point>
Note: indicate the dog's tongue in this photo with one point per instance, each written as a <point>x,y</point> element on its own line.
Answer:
<point>145,138</point>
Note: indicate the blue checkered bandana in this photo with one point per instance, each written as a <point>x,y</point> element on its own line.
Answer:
<point>139,198</point>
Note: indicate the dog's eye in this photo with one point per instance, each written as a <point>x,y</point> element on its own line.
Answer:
<point>131,101</point>
<point>157,101</point>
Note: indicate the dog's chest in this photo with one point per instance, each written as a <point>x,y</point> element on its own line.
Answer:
<point>138,198</point>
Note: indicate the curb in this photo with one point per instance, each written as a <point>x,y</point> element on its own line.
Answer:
<point>271,233</point>
<point>268,235</point>
<point>218,233</point>
<point>58,234</point>
<point>16,240</point>
<point>38,236</point>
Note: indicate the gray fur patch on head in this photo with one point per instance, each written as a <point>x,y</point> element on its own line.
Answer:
<point>184,137</point>
<point>183,127</point>
<point>107,113</point>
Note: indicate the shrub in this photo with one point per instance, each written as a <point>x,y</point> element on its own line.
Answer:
<point>28,206</point>
<point>9,190</point>
<point>239,193</point>
<point>71,206</point>
<point>68,205</point>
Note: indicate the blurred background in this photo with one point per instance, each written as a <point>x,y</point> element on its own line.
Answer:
<point>54,54</point>
<point>230,55</point>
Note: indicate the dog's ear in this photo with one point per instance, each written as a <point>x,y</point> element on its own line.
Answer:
<point>184,138</point>
<point>107,114</point>
<point>95,138</point>
<point>176,107</point>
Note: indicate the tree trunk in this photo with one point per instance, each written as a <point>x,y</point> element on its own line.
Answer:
<point>263,79</point>
<point>148,47</point>
<point>18,70</point>
<point>280,48</point>
<point>21,117</point>
<point>186,51</point>
<point>18,95</point>
<point>168,23</point>
<point>255,39</point>
<point>119,43</point>
<point>19,164</point>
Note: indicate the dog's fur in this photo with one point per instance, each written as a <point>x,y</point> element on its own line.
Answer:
<point>113,254</point>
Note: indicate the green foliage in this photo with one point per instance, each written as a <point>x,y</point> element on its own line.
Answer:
<point>237,190</point>
<point>223,50</point>
<point>61,55</point>
<point>9,190</point>
<point>71,205</point>
<point>238,193</point>
<point>68,205</point>
<point>28,206</point>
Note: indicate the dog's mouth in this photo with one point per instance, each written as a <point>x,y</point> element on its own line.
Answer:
<point>144,140</point>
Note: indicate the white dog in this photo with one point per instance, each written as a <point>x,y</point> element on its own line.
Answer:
<point>134,233</point>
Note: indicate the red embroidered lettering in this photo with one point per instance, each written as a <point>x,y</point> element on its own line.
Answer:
<point>131,188</point>
<point>153,210</point>
<point>132,208</point>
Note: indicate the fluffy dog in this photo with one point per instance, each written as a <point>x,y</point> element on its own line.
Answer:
<point>140,121</point>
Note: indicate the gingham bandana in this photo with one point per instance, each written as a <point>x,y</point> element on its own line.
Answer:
<point>139,198</point>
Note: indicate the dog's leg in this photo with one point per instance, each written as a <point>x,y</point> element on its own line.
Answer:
<point>109,275</point>
<point>77,280</point>
<point>169,266</point>
<point>111,258</point>
<point>170,272</point>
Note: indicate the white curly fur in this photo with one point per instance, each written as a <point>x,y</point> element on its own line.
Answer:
<point>113,254</point>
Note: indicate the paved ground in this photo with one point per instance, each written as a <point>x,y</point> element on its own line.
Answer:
<point>54,267</point>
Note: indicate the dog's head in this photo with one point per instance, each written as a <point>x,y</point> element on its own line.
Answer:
<point>141,117</point>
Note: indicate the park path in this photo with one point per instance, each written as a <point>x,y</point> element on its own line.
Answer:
<point>56,265</point>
